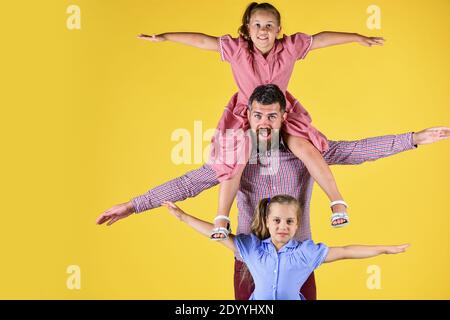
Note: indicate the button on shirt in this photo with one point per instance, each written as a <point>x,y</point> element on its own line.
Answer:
<point>279,275</point>
<point>250,68</point>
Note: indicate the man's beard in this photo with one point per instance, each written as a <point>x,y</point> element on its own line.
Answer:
<point>263,146</point>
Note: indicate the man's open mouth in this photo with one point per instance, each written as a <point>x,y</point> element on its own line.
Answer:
<point>264,132</point>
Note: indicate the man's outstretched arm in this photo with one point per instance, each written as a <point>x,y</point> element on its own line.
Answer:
<point>178,189</point>
<point>370,149</point>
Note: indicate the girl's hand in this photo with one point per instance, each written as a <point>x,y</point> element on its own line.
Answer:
<point>174,210</point>
<point>396,249</point>
<point>370,41</point>
<point>152,38</point>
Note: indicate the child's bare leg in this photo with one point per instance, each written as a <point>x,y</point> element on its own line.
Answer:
<point>318,169</point>
<point>227,193</point>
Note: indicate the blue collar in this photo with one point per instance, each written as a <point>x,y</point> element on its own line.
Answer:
<point>291,244</point>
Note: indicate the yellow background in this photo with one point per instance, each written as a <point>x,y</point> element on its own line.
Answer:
<point>86,122</point>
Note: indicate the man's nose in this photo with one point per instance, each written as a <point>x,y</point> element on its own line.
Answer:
<point>265,122</point>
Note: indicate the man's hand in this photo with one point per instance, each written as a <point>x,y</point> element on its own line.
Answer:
<point>431,135</point>
<point>116,213</point>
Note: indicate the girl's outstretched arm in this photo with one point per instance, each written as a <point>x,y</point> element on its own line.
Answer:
<point>361,251</point>
<point>330,38</point>
<point>201,226</point>
<point>198,40</point>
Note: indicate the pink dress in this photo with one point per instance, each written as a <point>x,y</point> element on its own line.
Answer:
<point>251,69</point>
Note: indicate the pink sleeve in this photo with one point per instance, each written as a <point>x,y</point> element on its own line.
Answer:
<point>298,44</point>
<point>228,47</point>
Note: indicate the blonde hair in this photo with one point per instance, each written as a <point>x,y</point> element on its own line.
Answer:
<point>259,223</point>
<point>262,211</point>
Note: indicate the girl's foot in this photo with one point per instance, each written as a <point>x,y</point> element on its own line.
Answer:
<point>339,217</point>
<point>221,228</point>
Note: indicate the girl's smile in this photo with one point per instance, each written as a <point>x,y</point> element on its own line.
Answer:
<point>263,30</point>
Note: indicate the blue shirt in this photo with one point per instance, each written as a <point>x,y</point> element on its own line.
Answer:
<point>279,275</point>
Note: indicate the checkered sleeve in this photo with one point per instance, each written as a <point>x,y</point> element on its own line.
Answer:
<point>178,189</point>
<point>370,149</point>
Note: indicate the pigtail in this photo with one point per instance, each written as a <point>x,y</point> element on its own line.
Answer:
<point>259,227</point>
<point>243,30</point>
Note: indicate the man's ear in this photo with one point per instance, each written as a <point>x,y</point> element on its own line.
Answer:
<point>279,30</point>
<point>284,116</point>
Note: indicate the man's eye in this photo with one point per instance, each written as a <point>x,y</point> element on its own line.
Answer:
<point>257,116</point>
<point>272,118</point>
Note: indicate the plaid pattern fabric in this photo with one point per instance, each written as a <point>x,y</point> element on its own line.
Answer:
<point>281,172</point>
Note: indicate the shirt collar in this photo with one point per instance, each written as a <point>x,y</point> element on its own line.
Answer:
<point>277,47</point>
<point>291,244</point>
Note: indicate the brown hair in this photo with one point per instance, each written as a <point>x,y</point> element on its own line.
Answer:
<point>268,94</point>
<point>259,223</point>
<point>252,7</point>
